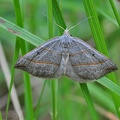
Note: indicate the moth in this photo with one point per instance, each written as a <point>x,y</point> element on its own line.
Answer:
<point>69,56</point>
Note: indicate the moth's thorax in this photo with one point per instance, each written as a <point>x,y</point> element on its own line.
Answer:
<point>66,39</point>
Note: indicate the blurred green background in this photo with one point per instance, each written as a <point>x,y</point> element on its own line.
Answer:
<point>71,103</point>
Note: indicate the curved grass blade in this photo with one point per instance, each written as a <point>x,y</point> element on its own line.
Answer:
<point>107,17</point>
<point>110,85</point>
<point>22,33</point>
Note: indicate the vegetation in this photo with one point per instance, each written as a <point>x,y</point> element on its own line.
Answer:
<point>23,26</point>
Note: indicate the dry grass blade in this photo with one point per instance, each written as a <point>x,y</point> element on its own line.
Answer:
<point>6,72</point>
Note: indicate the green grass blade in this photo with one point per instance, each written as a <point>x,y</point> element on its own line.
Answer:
<point>22,33</point>
<point>115,11</point>
<point>1,116</point>
<point>58,16</point>
<point>14,59</point>
<point>29,114</point>
<point>50,23</point>
<point>102,98</point>
<point>89,101</point>
<point>110,85</point>
<point>109,18</point>
<point>95,26</point>
<point>28,95</point>
<point>38,104</point>
<point>99,40</point>
<point>53,82</point>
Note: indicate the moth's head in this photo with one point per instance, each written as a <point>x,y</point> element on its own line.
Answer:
<point>66,31</point>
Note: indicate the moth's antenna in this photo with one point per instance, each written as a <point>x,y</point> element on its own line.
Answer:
<point>54,22</point>
<point>79,23</point>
